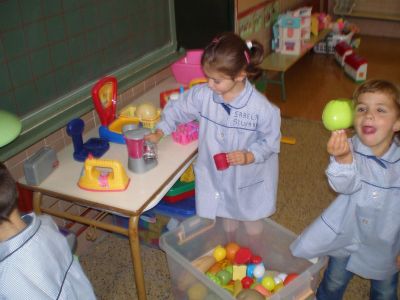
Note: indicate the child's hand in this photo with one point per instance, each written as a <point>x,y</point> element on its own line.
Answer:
<point>338,146</point>
<point>154,137</point>
<point>240,158</point>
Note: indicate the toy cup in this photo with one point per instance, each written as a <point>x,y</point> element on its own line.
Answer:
<point>221,161</point>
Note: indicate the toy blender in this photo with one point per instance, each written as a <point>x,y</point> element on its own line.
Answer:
<point>142,154</point>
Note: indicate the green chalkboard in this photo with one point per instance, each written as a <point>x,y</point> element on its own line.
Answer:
<point>53,51</point>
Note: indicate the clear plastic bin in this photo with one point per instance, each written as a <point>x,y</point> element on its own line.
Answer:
<point>196,237</point>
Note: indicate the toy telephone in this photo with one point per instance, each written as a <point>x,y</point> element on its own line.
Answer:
<point>103,175</point>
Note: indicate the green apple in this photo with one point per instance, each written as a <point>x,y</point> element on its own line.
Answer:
<point>338,114</point>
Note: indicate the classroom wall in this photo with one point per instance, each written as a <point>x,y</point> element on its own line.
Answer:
<point>371,26</point>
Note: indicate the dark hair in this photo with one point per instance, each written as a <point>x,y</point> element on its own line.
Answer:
<point>228,53</point>
<point>8,194</point>
<point>379,86</point>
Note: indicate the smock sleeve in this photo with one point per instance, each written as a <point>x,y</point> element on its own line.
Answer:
<point>343,178</point>
<point>185,109</point>
<point>269,135</point>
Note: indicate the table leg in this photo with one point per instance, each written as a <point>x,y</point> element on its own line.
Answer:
<point>133,232</point>
<point>283,88</point>
<point>37,202</point>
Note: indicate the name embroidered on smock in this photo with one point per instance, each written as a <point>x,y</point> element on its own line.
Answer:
<point>244,120</point>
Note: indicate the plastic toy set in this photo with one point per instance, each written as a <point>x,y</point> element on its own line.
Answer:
<point>354,65</point>
<point>327,46</point>
<point>342,31</point>
<point>291,30</point>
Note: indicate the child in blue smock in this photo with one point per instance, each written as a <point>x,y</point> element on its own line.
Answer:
<point>35,259</point>
<point>360,230</point>
<point>236,119</point>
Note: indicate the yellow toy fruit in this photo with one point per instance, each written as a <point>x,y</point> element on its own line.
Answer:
<point>146,111</point>
<point>268,283</point>
<point>219,253</point>
<point>278,287</point>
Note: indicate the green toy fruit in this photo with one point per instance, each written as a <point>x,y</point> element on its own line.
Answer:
<point>338,114</point>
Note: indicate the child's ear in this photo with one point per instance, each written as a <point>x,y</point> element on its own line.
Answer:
<point>241,76</point>
<point>396,126</point>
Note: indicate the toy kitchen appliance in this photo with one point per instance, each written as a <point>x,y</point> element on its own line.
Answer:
<point>142,155</point>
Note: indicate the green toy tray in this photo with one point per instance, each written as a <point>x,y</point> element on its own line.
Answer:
<point>180,187</point>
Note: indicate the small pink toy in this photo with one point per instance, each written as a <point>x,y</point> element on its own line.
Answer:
<point>186,133</point>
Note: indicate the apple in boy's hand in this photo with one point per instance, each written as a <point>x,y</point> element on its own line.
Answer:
<point>338,114</point>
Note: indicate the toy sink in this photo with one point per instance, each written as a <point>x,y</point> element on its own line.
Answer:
<point>118,124</point>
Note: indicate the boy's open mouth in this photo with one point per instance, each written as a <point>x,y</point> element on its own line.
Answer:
<point>368,129</point>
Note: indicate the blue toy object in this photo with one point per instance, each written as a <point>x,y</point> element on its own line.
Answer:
<point>111,136</point>
<point>95,146</point>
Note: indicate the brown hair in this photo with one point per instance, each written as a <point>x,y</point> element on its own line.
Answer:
<point>379,86</point>
<point>229,54</point>
<point>8,194</point>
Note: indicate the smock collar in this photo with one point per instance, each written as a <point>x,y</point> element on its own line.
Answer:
<point>240,101</point>
<point>391,156</point>
<point>12,245</point>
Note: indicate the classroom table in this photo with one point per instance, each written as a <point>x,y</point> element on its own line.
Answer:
<point>277,62</point>
<point>143,192</point>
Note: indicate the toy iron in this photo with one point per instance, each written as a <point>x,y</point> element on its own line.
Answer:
<point>103,175</point>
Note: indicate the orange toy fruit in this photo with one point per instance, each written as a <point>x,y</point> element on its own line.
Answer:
<point>231,249</point>
<point>215,268</point>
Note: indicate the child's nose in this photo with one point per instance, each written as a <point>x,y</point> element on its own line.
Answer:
<point>369,115</point>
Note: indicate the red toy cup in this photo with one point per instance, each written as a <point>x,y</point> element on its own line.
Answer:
<point>221,161</point>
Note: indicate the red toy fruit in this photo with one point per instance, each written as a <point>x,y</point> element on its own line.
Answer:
<point>290,277</point>
<point>247,282</point>
<point>256,259</point>
<point>243,256</point>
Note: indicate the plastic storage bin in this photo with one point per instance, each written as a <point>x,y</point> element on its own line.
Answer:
<point>188,67</point>
<point>196,237</point>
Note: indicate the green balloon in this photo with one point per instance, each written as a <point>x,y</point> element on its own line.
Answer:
<point>10,127</point>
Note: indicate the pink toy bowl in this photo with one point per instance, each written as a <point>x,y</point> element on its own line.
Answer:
<point>188,67</point>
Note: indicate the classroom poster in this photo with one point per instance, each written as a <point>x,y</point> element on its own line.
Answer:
<point>254,19</point>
